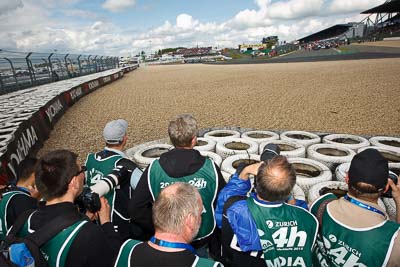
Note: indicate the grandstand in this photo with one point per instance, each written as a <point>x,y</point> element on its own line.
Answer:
<point>383,21</point>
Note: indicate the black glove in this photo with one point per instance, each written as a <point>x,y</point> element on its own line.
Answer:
<point>122,172</point>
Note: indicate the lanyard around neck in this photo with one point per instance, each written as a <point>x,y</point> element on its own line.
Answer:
<point>364,206</point>
<point>167,244</point>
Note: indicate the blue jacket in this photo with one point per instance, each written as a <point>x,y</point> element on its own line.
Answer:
<point>243,226</point>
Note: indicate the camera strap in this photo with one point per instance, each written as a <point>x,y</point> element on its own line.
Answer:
<point>363,205</point>
<point>168,244</point>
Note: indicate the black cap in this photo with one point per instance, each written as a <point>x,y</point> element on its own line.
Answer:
<point>369,167</point>
<point>270,150</point>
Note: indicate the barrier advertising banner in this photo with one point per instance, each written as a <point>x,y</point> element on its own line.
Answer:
<point>33,132</point>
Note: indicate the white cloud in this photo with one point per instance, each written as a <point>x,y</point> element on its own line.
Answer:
<point>294,9</point>
<point>186,21</point>
<point>117,5</point>
<point>340,6</point>
<point>7,6</point>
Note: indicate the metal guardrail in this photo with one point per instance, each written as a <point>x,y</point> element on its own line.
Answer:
<point>19,70</point>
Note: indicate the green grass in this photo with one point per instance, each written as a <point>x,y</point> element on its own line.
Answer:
<point>347,50</point>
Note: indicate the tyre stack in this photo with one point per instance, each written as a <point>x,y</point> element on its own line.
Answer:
<point>321,161</point>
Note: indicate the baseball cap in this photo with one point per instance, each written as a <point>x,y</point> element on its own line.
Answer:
<point>369,167</point>
<point>114,131</point>
<point>270,151</point>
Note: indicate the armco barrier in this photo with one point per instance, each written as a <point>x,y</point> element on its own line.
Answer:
<point>31,133</point>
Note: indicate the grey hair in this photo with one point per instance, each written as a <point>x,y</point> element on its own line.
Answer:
<point>174,204</point>
<point>182,130</point>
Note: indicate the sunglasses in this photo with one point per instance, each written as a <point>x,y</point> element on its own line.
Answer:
<point>83,169</point>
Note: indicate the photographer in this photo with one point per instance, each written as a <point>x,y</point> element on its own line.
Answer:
<point>355,230</point>
<point>111,174</point>
<point>59,180</point>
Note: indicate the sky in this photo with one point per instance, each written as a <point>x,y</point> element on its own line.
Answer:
<point>126,27</point>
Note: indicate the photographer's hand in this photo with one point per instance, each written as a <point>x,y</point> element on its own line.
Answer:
<point>92,216</point>
<point>396,197</point>
<point>104,214</point>
<point>250,169</point>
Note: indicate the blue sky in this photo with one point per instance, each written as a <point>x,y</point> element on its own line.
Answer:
<point>122,27</point>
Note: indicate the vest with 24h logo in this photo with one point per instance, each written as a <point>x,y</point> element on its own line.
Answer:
<point>345,246</point>
<point>97,169</point>
<point>287,233</point>
<point>205,180</point>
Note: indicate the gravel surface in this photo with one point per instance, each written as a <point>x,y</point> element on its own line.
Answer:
<point>356,97</point>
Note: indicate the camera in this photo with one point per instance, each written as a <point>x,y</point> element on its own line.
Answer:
<point>88,201</point>
<point>395,179</point>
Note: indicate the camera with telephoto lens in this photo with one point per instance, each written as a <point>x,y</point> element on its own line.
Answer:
<point>395,179</point>
<point>88,201</point>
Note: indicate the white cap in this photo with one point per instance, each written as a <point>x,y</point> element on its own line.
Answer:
<point>115,131</point>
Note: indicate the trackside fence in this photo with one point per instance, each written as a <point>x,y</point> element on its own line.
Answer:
<point>20,70</point>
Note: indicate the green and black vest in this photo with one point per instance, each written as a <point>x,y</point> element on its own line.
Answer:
<point>205,180</point>
<point>342,245</point>
<point>6,198</point>
<point>124,256</point>
<point>97,169</point>
<point>55,251</point>
<point>287,233</point>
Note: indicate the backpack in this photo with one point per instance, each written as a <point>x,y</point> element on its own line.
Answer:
<point>25,251</point>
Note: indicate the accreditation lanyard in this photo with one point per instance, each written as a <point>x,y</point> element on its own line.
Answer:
<point>167,244</point>
<point>364,206</point>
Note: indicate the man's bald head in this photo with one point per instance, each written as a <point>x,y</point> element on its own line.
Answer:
<point>275,179</point>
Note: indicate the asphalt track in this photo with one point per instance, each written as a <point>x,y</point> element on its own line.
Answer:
<point>350,52</point>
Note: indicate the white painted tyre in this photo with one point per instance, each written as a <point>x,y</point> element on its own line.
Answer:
<point>235,146</point>
<point>395,167</point>
<point>339,189</point>
<point>213,156</point>
<point>230,164</point>
<point>6,138</point>
<point>390,207</point>
<point>354,142</point>
<point>393,156</point>
<point>298,193</point>
<point>218,135</point>
<point>304,138</point>
<point>260,136</point>
<point>341,171</point>
<point>288,149</point>
<point>205,144</point>
<point>146,155</point>
<point>392,143</point>
<point>315,191</point>
<point>227,176</point>
<point>130,152</point>
<point>309,172</point>
<point>329,154</point>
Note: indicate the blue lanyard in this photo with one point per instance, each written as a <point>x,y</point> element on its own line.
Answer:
<point>167,244</point>
<point>364,206</point>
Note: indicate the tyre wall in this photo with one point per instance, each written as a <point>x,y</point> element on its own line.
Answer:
<point>29,136</point>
